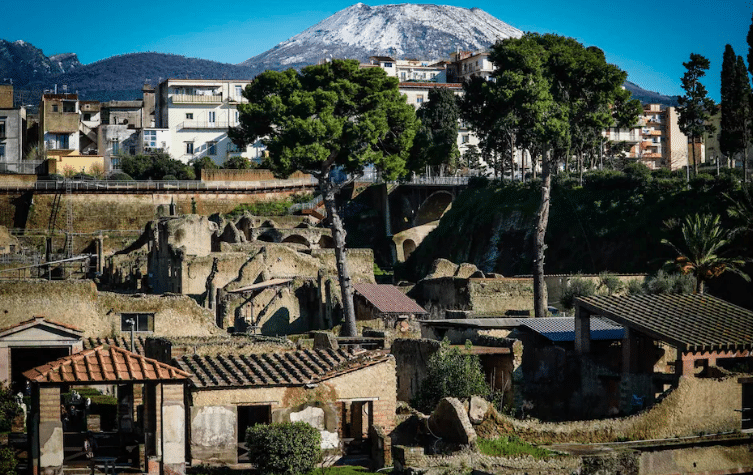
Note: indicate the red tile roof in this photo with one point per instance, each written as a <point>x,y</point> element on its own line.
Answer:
<point>388,298</point>
<point>102,364</point>
<point>123,342</point>
<point>38,320</point>
<point>294,368</point>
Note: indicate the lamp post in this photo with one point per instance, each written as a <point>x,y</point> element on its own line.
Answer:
<point>132,323</point>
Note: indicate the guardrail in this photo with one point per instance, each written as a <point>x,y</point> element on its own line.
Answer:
<point>133,185</point>
<point>416,180</point>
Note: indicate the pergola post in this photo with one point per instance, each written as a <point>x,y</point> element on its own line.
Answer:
<point>582,330</point>
<point>627,353</point>
<point>173,429</point>
<point>49,432</point>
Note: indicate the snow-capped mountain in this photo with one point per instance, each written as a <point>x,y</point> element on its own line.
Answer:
<point>401,31</point>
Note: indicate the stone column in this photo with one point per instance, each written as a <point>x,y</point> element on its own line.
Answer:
<point>173,429</point>
<point>582,331</point>
<point>50,432</point>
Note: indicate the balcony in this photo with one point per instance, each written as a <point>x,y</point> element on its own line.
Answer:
<point>202,124</point>
<point>196,99</point>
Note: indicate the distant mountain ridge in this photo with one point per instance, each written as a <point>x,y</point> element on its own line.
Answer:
<point>403,31</point>
<point>407,30</point>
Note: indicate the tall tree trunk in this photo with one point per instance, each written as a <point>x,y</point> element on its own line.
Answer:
<point>542,221</point>
<point>695,163</point>
<point>745,163</point>
<point>343,274</point>
<point>699,287</point>
<point>580,163</point>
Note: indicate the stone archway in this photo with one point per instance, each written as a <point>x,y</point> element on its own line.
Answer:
<point>433,207</point>
<point>296,239</point>
<point>409,245</point>
<point>326,242</point>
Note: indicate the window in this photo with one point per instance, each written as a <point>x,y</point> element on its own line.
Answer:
<point>2,151</point>
<point>2,127</point>
<point>150,138</point>
<point>211,148</point>
<point>54,108</point>
<point>212,116</point>
<point>464,138</point>
<point>237,117</point>
<point>69,106</point>
<point>189,116</point>
<point>238,91</point>
<point>115,147</point>
<point>142,322</point>
<point>59,141</point>
<point>87,117</point>
<point>420,99</point>
<point>402,75</point>
<point>189,148</point>
<point>387,65</point>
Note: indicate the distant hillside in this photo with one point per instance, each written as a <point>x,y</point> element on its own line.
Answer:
<point>650,97</point>
<point>25,64</point>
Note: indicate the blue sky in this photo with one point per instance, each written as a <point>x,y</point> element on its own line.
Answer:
<point>650,40</point>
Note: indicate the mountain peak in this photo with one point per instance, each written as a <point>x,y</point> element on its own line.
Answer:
<point>424,31</point>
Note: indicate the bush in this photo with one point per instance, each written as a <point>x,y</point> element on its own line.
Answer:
<point>670,283</point>
<point>635,287</point>
<point>8,461</point>
<point>120,176</point>
<point>288,448</point>
<point>611,282</point>
<point>169,178</point>
<point>510,447</point>
<point>8,409</point>
<point>577,287</point>
<point>450,373</point>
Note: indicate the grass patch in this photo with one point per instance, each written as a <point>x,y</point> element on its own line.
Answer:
<point>511,447</point>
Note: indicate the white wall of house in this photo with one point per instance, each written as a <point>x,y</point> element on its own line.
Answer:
<point>197,114</point>
<point>12,124</point>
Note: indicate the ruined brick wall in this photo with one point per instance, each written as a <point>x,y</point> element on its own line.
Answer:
<point>411,357</point>
<point>78,303</point>
<point>492,297</point>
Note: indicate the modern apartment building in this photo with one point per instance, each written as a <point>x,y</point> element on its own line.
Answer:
<point>198,113</point>
<point>59,122</point>
<point>411,69</point>
<point>12,127</point>
<point>467,64</point>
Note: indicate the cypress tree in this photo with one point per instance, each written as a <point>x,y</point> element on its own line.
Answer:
<point>728,138</point>
<point>743,97</point>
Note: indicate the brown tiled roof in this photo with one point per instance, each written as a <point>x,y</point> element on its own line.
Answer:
<point>38,320</point>
<point>388,298</point>
<point>697,322</point>
<point>102,364</point>
<point>274,369</point>
<point>123,342</point>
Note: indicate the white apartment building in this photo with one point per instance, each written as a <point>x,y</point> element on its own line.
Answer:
<point>12,127</point>
<point>467,64</point>
<point>411,70</point>
<point>197,113</point>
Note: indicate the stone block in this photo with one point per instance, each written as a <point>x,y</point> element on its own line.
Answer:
<point>478,409</point>
<point>450,422</point>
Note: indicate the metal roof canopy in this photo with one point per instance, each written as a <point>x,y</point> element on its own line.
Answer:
<point>388,299</point>
<point>694,322</point>
<point>563,328</point>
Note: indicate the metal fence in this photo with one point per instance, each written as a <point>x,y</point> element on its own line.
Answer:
<point>26,167</point>
<point>133,185</point>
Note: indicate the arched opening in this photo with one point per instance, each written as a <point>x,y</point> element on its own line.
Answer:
<point>266,237</point>
<point>433,207</point>
<point>326,242</point>
<point>409,245</point>
<point>296,239</point>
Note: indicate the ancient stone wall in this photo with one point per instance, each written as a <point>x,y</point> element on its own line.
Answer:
<point>411,358</point>
<point>78,303</point>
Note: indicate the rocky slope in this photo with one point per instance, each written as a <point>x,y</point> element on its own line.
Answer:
<point>401,31</point>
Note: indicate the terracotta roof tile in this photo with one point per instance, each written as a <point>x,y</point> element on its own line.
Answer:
<point>103,365</point>
<point>698,322</point>
<point>274,369</point>
<point>123,342</point>
<point>388,298</point>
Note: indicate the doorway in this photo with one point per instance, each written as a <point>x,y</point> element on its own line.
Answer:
<point>24,359</point>
<point>249,416</point>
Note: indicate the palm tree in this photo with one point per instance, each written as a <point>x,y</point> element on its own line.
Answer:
<point>704,237</point>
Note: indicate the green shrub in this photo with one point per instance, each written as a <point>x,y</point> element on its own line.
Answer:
<point>577,287</point>
<point>169,178</point>
<point>8,409</point>
<point>120,176</point>
<point>286,448</point>
<point>450,373</point>
<point>611,282</point>
<point>510,447</point>
<point>635,287</point>
<point>8,461</point>
<point>670,283</point>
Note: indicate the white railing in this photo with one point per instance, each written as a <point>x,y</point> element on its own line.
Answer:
<point>372,177</point>
<point>203,124</point>
<point>195,98</point>
<point>134,185</point>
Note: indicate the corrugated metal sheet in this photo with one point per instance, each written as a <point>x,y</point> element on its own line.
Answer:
<point>388,298</point>
<point>563,328</point>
